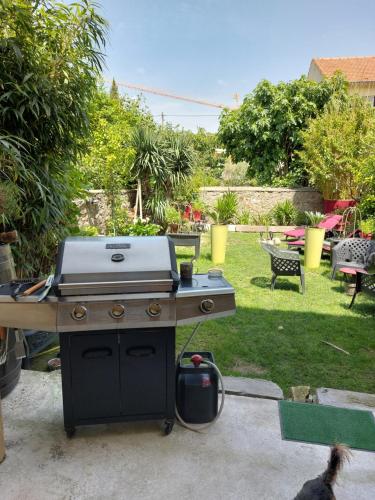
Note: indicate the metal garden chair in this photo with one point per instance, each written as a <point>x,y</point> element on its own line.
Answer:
<point>364,283</point>
<point>351,252</point>
<point>284,263</point>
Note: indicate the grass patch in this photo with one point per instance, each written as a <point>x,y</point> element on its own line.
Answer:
<point>277,335</point>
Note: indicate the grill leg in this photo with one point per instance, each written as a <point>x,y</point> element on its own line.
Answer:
<point>168,426</point>
<point>273,281</point>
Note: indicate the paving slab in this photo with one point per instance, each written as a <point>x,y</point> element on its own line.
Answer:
<point>252,387</point>
<point>241,457</point>
<point>346,399</point>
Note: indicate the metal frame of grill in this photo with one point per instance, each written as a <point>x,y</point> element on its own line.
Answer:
<point>116,303</point>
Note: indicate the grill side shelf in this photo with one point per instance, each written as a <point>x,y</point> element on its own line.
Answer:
<point>29,315</point>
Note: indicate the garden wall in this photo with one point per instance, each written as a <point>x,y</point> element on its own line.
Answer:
<point>94,211</point>
<point>262,199</point>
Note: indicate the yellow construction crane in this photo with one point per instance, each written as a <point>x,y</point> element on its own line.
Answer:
<point>164,93</point>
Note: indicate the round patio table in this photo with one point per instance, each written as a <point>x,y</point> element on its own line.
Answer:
<point>351,271</point>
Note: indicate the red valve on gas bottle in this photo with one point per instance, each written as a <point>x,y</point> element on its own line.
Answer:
<point>197,360</point>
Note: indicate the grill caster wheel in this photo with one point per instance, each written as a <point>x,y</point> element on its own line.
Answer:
<point>70,431</point>
<point>168,426</point>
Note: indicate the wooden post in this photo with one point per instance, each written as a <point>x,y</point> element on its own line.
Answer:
<point>136,206</point>
<point>140,199</point>
<point>2,442</point>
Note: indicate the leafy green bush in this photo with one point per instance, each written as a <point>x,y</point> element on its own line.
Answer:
<point>262,219</point>
<point>225,209</point>
<point>172,215</point>
<point>285,213</point>
<point>244,217</point>
<point>368,226</point>
<point>367,206</point>
<point>85,231</point>
<point>139,228</point>
<point>234,174</point>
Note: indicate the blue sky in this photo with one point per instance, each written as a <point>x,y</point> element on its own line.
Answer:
<point>212,49</point>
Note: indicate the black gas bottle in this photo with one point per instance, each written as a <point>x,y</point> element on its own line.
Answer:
<point>197,388</point>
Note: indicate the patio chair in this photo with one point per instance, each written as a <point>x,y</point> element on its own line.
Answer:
<point>351,252</point>
<point>328,223</point>
<point>284,263</point>
<point>364,283</point>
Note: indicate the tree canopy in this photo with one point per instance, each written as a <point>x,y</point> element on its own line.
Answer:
<point>266,130</point>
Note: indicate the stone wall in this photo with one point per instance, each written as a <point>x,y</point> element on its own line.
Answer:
<point>261,200</point>
<point>95,210</point>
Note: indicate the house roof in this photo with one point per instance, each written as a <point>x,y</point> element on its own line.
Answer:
<point>356,69</point>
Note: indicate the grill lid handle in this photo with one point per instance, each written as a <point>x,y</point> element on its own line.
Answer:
<point>117,257</point>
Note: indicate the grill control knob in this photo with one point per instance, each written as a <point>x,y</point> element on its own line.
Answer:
<point>154,309</point>
<point>117,311</point>
<point>79,312</point>
<point>207,306</point>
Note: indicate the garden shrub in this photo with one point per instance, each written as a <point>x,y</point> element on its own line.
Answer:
<point>285,213</point>
<point>51,56</point>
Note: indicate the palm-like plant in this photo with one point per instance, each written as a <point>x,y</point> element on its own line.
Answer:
<point>163,161</point>
<point>225,210</point>
<point>180,158</point>
<point>150,159</point>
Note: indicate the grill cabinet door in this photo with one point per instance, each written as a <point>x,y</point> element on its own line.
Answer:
<point>95,375</point>
<point>143,358</point>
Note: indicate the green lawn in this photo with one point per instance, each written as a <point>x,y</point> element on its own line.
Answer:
<point>277,335</point>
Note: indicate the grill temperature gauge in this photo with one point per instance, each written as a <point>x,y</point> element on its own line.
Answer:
<point>79,312</point>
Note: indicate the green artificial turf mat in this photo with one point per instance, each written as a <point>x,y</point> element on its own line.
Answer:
<point>321,424</point>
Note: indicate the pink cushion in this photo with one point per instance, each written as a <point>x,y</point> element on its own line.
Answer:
<point>330,222</point>
<point>295,233</point>
<point>297,243</point>
<point>348,270</point>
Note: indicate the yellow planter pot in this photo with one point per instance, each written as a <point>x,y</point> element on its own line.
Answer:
<point>313,246</point>
<point>219,236</point>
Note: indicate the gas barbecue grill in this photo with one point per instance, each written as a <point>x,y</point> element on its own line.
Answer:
<point>115,303</point>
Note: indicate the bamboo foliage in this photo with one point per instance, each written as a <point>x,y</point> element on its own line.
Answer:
<point>51,55</point>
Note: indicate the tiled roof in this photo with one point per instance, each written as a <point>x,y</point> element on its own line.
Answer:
<point>356,69</point>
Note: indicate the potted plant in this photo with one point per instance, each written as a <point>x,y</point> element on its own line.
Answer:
<point>314,240</point>
<point>224,213</point>
<point>337,151</point>
<point>197,209</point>
<point>172,218</point>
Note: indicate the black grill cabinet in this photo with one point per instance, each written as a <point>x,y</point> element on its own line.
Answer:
<point>118,375</point>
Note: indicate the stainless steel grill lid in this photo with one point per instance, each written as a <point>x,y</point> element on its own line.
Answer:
<point>92,266</point>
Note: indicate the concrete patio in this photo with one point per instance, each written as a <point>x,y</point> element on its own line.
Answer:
<point>241,457</point>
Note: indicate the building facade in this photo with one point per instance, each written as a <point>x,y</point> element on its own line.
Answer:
<point>359,71</point>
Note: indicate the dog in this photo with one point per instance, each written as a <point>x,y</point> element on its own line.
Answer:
<point>321,488</point>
